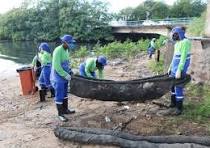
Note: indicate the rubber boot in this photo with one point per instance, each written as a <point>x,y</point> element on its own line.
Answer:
<point>52,91</point>
<point>61,116</point>
<point>36,88</point>
<point>150,56</point>
<point>173,101</point>
<point>44,88</point>
<point>66,109</point>
<point>42,94</point>
<point>179,108</point>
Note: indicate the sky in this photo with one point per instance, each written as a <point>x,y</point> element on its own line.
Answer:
<point>6,5</point>
<point>115,5</point>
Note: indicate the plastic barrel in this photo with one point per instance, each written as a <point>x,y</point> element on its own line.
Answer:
<point>26,80</point>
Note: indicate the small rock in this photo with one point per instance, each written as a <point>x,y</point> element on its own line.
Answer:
<point>107,119</point>
<point>134,117</point>
<point>178,133</point>
<point>41,107</point>
<point>116,63</point>
<point>120,103</point>
<point>81,100</point>
<point>147,85</point>
<point>126,107</point>
<point>148,117</point>
<point>122,75</point>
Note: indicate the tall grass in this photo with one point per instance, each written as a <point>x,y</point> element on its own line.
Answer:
<point>197,26</point>
<point>157,67</point>
<point>78,56</point>
<point>116,49</point>
<point>198,106</point>
<point>81,53</point>
<point>126,49</point>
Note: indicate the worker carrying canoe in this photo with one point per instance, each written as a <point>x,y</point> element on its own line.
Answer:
<point>179,66</point>
<point>88,68</point>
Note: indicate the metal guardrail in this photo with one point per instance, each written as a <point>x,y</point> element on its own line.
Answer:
<point>153,22</point>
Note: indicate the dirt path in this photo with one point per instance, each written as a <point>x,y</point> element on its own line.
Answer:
<point>25,122</point>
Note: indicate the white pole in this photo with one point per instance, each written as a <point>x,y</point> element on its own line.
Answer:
<point>207,25</point>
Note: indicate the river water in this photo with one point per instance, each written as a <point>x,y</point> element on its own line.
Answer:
<point>16,54</point>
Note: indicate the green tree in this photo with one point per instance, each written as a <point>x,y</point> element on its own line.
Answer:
<point>126,14</point>
<point>197,26</point>
<point>199,6</point>
<point>160,10</point>
<point>139,13</point>
<point>187,8</point>
<point>49,19</point>
<point>157,10</point>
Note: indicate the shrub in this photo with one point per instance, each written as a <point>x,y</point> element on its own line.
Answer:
<point>197,26</point>
<point>127,49</point>
<point>198,106</point>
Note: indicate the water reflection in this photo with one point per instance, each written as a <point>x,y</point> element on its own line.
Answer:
<point>19,52</point>
<point>23,52</point>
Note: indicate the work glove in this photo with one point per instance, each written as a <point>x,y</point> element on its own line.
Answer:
<point>68,77</point>
<point>178,74</point>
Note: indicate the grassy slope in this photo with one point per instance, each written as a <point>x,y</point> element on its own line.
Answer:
<point>196,28</point>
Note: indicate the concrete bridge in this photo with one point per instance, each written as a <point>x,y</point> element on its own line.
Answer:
<point>160,27</point>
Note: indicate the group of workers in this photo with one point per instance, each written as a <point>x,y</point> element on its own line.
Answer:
<point>56,71</point>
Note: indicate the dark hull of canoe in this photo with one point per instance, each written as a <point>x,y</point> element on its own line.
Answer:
<point>134,90</point>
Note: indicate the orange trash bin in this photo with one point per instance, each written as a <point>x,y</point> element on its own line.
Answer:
<point>26,80</point>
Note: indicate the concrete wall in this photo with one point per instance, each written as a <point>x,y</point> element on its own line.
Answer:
<point>207,25</point>
<point>167,52</point>
<point>200,61</point>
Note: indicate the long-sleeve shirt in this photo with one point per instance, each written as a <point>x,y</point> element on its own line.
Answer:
<point>60,56</point>
<point>152,44</point>
<point>35,60</point>
<point>182,48</point>
<point>45,58</point>
<point>90,66</point>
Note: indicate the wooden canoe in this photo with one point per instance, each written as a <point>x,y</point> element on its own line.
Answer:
<point>132,90</point>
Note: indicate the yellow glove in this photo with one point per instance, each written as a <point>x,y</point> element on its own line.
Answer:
<point>178,74</point>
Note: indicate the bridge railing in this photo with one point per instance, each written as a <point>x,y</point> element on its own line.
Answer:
<point>153,22</point>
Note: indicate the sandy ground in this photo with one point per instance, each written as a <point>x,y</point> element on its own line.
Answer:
<point>27,123</point>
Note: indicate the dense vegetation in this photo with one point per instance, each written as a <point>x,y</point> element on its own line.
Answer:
<point>198,103</point>
<point>87,21</point>
<point>160,10</point>
<point>125,50</point>
<point>197,26</point>
<point>48,19</point>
